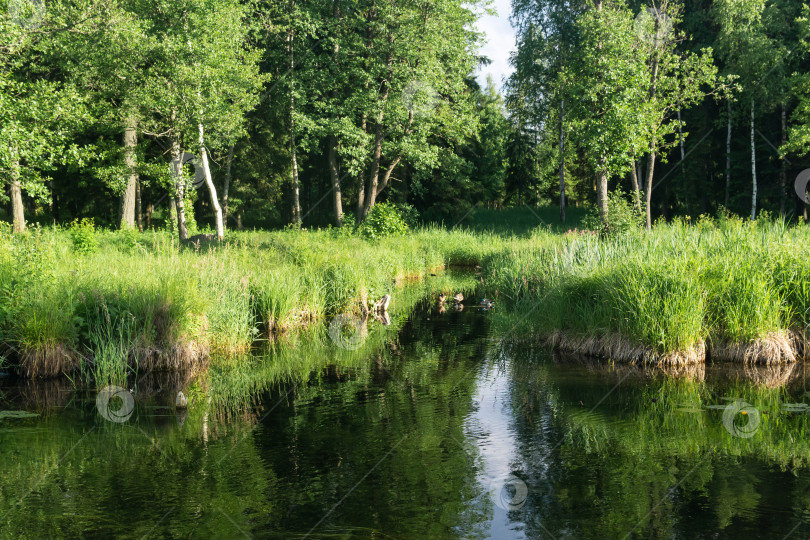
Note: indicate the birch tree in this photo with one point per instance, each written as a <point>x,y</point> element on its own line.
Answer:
<point>676,80</point>
<point>203,79</point>
<point>751,55</point>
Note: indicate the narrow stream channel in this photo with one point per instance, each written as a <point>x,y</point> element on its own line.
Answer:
<point>441,429</point>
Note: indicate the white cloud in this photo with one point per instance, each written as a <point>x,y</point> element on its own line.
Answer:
<point>500,38</point>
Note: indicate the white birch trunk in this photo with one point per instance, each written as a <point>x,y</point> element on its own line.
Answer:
<point>210,183</point>
<point>753,165</point>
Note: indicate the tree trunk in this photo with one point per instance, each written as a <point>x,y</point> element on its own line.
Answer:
<point>636,191</point>
<point>227,187</point>
<point>648,188</point>
<point>209,181</point>
<point>683,163</point>
<point>387,176</point>
<point>128,198</point>
<point>375,167</point>
<point>602,195</point>
<point>728,156</point>
<point>753,165</point>
<point>361,197</point>
<point>17,209</point>
<point>335,175</point>
<point>379,135</point>
<point>653,145</point>
<point>138,206</point>
<point>783,169</point>
<point>334,170</point>
<point>173,210</point>
<point>179,191</point>
<point>681,144</point>
<point>296,189</point>
<point>149,209</point>
<point>562,161</point>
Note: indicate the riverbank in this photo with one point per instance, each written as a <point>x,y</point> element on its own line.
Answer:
<point>723,289</point>
<point>141,301</point>
<point>714,289</point>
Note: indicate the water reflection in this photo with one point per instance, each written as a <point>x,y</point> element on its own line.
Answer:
<point>432,428</point>
<point>491,435</point>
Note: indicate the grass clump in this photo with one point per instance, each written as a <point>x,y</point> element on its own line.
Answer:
<point>180,305</point>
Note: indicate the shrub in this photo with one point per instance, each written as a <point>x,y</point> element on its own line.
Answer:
<point>410,215</point>
<point>384,219</point>
<point>623,217</point>
<point>128,238</point>
<point>83,234</point>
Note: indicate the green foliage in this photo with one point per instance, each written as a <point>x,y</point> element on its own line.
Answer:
<point>409,214</point>
<point>623,217</point>
<point>607,85</point>
<point>83,235</point>
<point>129,239</point>
<point>384,219</point>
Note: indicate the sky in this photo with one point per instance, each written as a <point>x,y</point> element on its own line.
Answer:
<point>500,43</point>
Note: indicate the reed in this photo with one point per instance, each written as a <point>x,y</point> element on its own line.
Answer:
<point>60,309</point>
<point>688,290</point>
<point>728,289</point>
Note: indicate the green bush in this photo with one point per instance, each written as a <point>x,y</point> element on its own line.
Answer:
<point>128,239</point>
<point>384,219</point>
<point>623,216</point>
<point>83,234</point>
<point>409,214</point>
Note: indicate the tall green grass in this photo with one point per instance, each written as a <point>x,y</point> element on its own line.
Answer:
<point>718,282</point>
<point>724,282</point>
<point>188,302</point>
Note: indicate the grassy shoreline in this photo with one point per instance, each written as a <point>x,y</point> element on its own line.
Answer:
<point>143,299</point>
<point>721,290</point>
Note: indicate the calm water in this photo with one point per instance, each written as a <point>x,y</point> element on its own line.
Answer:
<point>434,428</point>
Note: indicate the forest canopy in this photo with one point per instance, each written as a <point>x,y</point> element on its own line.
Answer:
<point>203,114</point>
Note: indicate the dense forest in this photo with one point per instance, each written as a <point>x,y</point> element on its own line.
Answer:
<point>206,115</point>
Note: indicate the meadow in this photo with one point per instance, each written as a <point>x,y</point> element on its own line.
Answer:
<point>98,304</point>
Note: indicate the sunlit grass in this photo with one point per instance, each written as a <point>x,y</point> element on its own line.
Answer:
<point>723,283</point>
